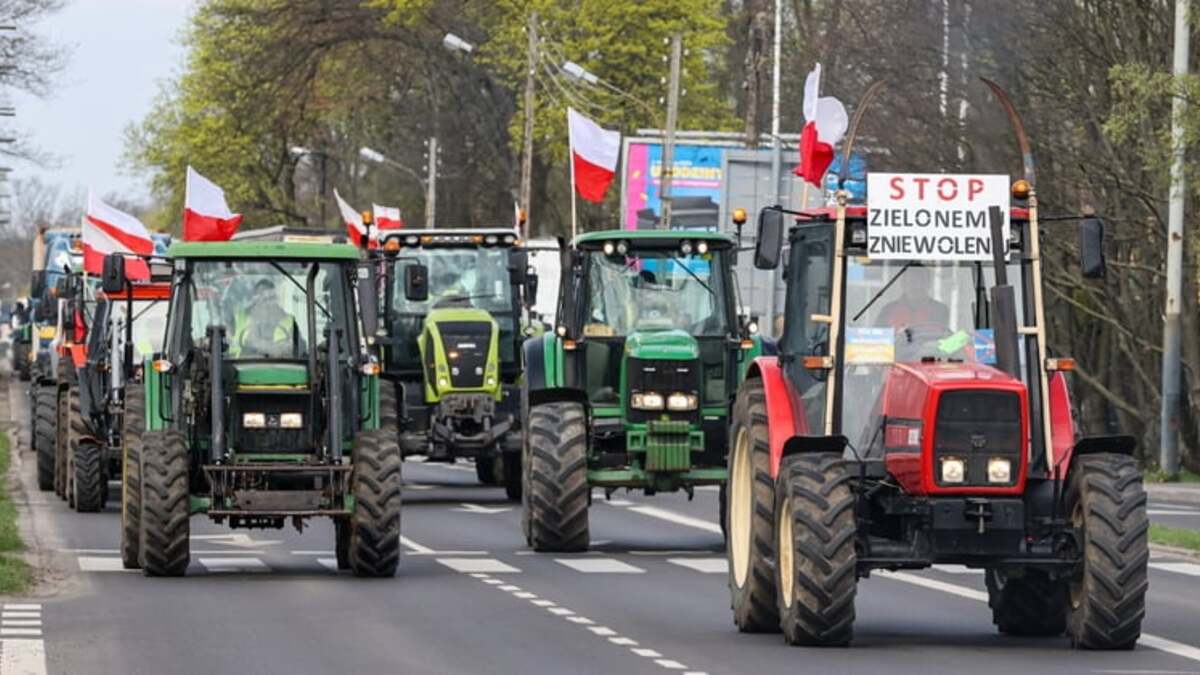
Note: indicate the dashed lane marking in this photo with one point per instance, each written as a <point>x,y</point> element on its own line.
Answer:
<point>233,565</point>
<point>1190,569</point>
<point>957,569</point>
<point>609,634</point>
<point>677,518</point>
<point>705,565</point>
<point>1153,641</point>
<point>599,566</point>
<point>328,563</point>
<point>88,563</point>
<point>479,565</point>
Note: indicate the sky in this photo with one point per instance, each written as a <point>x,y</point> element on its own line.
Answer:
<point>120,52</point>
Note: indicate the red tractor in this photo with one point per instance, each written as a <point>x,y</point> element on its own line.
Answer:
<point>914,416</point>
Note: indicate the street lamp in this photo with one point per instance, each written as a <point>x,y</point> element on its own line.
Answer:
<point>577,73</point>
<point>456,44</point>
<point>300,151</point>
<point>430,185</point>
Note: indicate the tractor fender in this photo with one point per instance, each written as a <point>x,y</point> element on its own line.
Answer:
<point>544,375</point>
<point>781,423</point>
<point>1062,422</point>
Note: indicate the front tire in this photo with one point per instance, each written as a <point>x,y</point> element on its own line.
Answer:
<point>45,413</point>
<point>556,490</point>
<point>510,470</point>
<point>86,482</point>
<point>485,470</point>
<point>1030,604</point>
<point>374,548</point>
<point>165,547</point>
<point>817,566</point>
<point>750,515</point>
<point>61,456</point>
<point>133,426</point>
<point>1107,503</point>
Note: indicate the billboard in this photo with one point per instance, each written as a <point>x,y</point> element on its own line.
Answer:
<point>696,185</point>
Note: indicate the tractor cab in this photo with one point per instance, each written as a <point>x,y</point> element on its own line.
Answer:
<point>915,415</point>
<point>453,304</point>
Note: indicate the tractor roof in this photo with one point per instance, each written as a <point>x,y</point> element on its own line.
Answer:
<point>651,238</point>
<point>289,250</point>
<point>452,237</point>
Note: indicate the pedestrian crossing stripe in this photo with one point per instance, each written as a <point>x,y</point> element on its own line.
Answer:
<point>599,566</point>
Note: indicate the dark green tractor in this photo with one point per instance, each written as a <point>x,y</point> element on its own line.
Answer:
<point>453,317</point>
<point>265,406</point>
<point>633,387</point>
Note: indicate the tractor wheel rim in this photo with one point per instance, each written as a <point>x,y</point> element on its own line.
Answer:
<point>783,547</point>
<point>739,508</point>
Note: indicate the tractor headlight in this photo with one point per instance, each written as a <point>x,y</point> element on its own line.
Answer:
<point>609,248</point>
<point>254,420</point>
<point>647,400</point>
<point>999,470</point>
<point>702,247</point>
<point>442,382</point>
<point>291,421</point>
<point>491,381</point>
<point>679,401</point>
<point>954,470</point>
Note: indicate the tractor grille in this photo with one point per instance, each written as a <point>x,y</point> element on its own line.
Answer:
<point>466,345</point>
<point>976,426</point>
<point>271,438</point>
<point>663,377</point>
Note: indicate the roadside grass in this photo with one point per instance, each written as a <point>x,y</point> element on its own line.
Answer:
<point>1165,535</point>
<point>1156,475</point>
<point>15,574</point>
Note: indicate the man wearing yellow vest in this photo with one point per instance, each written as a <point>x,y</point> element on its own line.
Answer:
<point>265,330</point>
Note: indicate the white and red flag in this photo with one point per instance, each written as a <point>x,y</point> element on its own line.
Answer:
<point>594,154</point>
<point>825,124</point>
<point>109,230</point>
<point>206,216</point>
<point>387,217</point>
<point>356,229</point>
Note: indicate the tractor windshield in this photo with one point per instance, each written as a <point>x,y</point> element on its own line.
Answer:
<point>149,326</point>
<point>655,290</point>
<point>465,278</point>
<point>263,305</point>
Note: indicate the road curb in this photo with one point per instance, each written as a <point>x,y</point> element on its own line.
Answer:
<point>1174,493</point>
<point>1175,551</point>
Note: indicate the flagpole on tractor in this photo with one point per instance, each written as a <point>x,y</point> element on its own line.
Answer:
<point>574,188</point>
<point>777,153</point>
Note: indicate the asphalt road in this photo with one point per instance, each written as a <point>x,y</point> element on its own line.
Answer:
<point>471,598</point>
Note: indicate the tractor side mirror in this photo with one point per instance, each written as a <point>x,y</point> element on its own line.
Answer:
<point>518,263</point>
<point>416,283</point>
<point>770,238</point>
<point>112,279</point>
<point>1091,248</point>
<point>531,285</point>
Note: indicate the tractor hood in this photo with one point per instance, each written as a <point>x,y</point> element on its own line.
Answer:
<point>662,345</point>
<point>270,375</point>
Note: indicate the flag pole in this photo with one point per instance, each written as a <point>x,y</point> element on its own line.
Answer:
<point>574,207</point>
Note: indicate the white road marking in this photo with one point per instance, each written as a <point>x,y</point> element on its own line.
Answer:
<point>671,665</point>
<point>233,565</point>
<point>88,563</point>
<point>648,653</point>
<point>20,615</point>
<point>493,582</point>
<point>619,502</point>
<point>599,566</point>
<point>328,563</point>
<point>543,603</point>
<point>1153,641</point>
<point>487,565</point>
<point>468,507</point>
<point>324,553</point>
<point>24,607</point>
<point>623,641</point>
<point>27,657</point>
<point>1190,569</point>
<point>236,539</point>
<point>414,546</point>
<point>20,632</point>
<point>19,623</point>
<point>705,565</point>
<point>602,631</point>
<point>525,595</point>
<point>581,620</point>
<point>418,549</point>
<point>510,588</point>
<point>559,611</point>
<point>1171,512</point>
<point>677,518</point>
<point>957,569</point>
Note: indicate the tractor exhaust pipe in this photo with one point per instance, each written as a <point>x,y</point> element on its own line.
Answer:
<point>335,397</point>
<point>1004,301</point>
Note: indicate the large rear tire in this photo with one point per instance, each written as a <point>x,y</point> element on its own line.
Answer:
<point>376,484</point>
<point>817,570</point>
<point>1027,602</point>
<point>133,426</point>
<point>1107,503</point>
<point>556,490</point>
<point>750,515</point>
<point>45,399</point>
<point>165,548</point>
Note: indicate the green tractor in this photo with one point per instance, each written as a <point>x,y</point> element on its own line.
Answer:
<point>633,388</point>
<point>265,406</point>
<point>452,308</point>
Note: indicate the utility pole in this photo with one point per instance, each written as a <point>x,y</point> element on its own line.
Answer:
<point>527,151</point>
<point>776,152</point>
<point>668,163</point>
<point>1171,328</point>
<point>431,184</point>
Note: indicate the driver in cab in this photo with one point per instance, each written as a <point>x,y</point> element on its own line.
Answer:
<point>267,329</point>
<point>915,307</point>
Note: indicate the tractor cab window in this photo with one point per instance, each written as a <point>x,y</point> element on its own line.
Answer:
<point>655,290</point>
<point>900,312</point>
<point>264,306</point>
<point>459,278</point>
<point>149,326</point>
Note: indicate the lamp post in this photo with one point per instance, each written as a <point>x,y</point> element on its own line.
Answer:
<point>430,185</point>
<point>300,151</point>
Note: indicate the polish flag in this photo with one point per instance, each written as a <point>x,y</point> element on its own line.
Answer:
<point>206,216</point>
<point>108,230</point>
<point>356,229</point>
<point>825,124</point>
<point>387,217</point>
<point>594,154</point>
